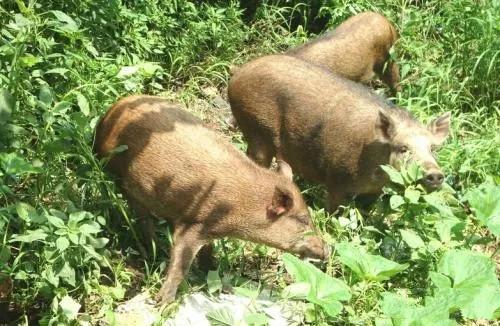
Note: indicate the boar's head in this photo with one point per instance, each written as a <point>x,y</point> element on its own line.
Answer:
<point>408,138</point>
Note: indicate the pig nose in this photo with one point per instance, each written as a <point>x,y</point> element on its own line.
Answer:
<point>434,179</point>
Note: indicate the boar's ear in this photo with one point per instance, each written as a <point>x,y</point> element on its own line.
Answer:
<point>440,127</point>
<point>281,203</point>
<point>385,127</point>
<point>284,169</point>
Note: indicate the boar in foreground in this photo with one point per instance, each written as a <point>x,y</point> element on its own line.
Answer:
<point>178,170</point>
<point>357,50</point>
<point>329,129</point>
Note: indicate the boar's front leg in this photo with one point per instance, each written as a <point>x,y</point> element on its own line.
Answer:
<point>188,240</point>
<point>391,77</point>
<point>334,199</point>
<point>260,152</point>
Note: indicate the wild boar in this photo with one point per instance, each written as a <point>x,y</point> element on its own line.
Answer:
<point>177,169</point>
<point>357,50</point>
<point>330,130</point>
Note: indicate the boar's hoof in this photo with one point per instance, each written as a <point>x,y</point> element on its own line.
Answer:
<point>164,297</point>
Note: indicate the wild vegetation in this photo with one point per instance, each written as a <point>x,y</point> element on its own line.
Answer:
<point>69,246</point>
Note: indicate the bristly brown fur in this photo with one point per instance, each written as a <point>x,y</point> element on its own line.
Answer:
<point>357,49</point>
<point>331,130</point>
<point>178,170</point>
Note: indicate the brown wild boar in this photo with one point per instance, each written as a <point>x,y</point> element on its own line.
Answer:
<point>357,49</point>
<point>178,170</point>
<point>329,129</point>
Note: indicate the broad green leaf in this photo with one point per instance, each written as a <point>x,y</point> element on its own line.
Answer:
<point>256,319</point>
<point>412,195</point>
<point>221,317</point>
<point>45,95</point>
<point>214,282</point>
<point>485,202</point>
<point>64,18</point>
<point>98,243</point>
<point>324,290</point>
<point>67,274</point>
<point>435,200</point>
<point>56,221</point>
<point>402,312</point>
<point>24,210</point>
<point>412,239</point>
<point>57,71</point>
<point>297,290</point>
<point>367,266</point>
<point>62,243</point>
<point>474,286</point>
<point>69,307</point>
<point>395,201</point>
<point>449,226</point>
<point>393,174</point>
<point>90,228</point>
<point>30,236</point>
<point>13,164</point>
<point>83,104</point>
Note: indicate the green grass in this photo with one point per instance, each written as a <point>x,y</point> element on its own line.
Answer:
<point>63,63</point>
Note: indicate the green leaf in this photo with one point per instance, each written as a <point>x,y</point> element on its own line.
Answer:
<point>403,312</point>
<point>435,200</point>
<point>393,174</point>
<point>367,266</point>
<point>395,201</point>
<point>98,243</point>
<point>45,95</point>
<point>412,239</point>
<point>69,24</point>
<point>449,226</point>
<point>412,195</point>
<point>83,104</point>
<point>485,203</point>
<point>14,164</point>
<point>324,290</point>
<point>56,221</point>
<point>62,243</point>
<point>30,236</point>
<point>57,71</point>
<point>474,287</point>
<point>7,104</point>
<point>90,228</point>
<point>69,307</point>
<point>221,317</point>
<point>256,319</point>
<point>5,254</point>
<point>214,282</point>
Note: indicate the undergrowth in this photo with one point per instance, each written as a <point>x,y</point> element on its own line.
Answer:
<point>69,247</point>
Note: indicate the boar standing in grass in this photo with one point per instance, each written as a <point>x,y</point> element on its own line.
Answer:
<point>329,129</point>
<point>178,170</point>
<point>357,49</point>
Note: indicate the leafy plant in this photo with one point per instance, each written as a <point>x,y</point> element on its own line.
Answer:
<point>315,286</point>
<point>366,266</point>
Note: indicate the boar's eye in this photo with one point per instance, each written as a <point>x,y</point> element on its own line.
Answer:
<point>402,149</point>
<point>304,219</point>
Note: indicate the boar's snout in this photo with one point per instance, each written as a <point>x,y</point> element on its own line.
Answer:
<point>312,247</point>
<point>433,179</point>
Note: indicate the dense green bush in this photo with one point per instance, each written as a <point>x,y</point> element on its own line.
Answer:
<point>65,229</point>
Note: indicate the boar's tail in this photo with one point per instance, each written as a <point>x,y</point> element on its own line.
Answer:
<point>394,33</point>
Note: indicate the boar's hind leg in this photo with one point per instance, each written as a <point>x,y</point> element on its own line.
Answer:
<point>188,240</point>
<point>261,152</point>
